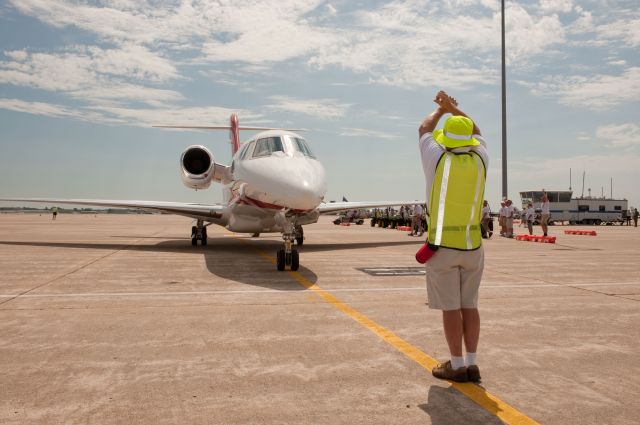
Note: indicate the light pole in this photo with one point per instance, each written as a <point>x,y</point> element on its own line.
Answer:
<point>504,115</point>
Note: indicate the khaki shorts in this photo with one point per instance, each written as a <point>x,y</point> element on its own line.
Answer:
<point>545,218</point>
<point>453,278</point>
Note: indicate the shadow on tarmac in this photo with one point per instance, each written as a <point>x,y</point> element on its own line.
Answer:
<point>446,405</point>
<point>227,258</point>
<point>233,258</point>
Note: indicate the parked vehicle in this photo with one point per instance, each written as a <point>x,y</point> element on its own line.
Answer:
<point>582,210</point>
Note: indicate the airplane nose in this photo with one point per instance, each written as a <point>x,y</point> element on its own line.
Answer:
<point>295,183</point>
<point>304,187</point>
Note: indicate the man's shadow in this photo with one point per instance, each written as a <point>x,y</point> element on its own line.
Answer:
<point>446,405</point>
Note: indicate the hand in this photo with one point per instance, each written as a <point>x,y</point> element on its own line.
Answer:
<point>445,102</point>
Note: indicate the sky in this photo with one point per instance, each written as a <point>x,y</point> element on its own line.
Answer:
<point>82,82</point>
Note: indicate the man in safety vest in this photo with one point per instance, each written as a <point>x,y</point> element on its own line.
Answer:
<point>455,161</point>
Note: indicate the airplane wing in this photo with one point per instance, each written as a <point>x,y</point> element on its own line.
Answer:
<point>342,206</point>
<point>202,211</point>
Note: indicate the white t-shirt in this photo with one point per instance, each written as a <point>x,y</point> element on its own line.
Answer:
<point>544,206</point>
<point>486,212</point>
<point>509,211</point>
<point>530,214</point>
<point>417,211</point>
<point>431,151</point>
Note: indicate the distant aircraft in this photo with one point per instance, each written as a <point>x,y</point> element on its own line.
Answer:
<point>274,184</point>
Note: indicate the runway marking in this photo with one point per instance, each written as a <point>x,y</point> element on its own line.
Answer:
<point>283,291</point>
<point>476,393</point>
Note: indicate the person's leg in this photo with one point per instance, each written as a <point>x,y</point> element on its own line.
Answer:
<point>471,329</point>
<point>453,331</point>
<point>530,226</point>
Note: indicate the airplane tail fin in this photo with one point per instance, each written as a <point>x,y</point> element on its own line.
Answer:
<point>233,127</point>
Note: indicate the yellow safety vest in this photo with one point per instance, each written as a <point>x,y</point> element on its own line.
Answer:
<point>455,207</point>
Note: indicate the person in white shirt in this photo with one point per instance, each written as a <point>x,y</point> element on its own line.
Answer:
<point>501,219</point>
<point>416,221</point>
<point>510,211</point>
<point>486,217</point>
<point>530,216</point>
<point>545,211</point>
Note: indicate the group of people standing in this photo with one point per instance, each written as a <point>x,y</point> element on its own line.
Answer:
<point>508,212</point>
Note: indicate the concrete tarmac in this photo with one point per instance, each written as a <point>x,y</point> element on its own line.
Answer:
<point>109,319</point>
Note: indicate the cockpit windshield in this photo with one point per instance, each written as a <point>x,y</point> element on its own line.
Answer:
<point>301,146</point>
<point>267,145</point>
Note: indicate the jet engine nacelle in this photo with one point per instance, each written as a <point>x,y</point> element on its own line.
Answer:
<point>197,164</point>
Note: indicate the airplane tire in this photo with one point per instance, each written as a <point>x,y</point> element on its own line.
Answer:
<point>194,241</point>
<point>280,260</point>
<point>204,236</point>
<point>295,260</point>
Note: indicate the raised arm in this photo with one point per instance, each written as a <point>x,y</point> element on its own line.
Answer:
<point>431,121</point>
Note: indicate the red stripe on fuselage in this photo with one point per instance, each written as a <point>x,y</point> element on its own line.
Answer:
<point>255,203</point>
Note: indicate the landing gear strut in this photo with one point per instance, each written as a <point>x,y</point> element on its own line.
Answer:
<point>199,232</point>
<point>299,235</point>
<point>289,257</point>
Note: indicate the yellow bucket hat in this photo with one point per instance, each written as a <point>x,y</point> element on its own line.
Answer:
<point>457,132</point>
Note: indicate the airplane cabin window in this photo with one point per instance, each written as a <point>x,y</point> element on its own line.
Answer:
<point>268,145</point>
<point>302,146</point>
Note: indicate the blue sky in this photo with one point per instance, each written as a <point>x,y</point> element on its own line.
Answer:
<point>82,82</point>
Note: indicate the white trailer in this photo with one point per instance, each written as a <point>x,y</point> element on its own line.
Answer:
<point>582,210</point>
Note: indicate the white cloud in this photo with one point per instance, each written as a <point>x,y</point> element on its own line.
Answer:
<point>48,109</point>
<point>620,135</point>
<point>556,5</point>
<point>402,43</point>
<point>318,108</point>
<point>139,117</point>
<point>363,132</point>
<point>91,73</point>
<point>596,92</point>
<point>627,30</point>
<point>208,115</point>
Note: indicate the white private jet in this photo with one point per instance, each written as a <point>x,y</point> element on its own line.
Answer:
<point>274,184</point>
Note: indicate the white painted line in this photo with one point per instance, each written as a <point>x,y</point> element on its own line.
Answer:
<point>281,292</point>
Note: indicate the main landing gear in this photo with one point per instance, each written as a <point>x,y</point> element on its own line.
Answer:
<point>199,232</point>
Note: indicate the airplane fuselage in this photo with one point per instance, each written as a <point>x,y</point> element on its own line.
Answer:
<point>272,173</point>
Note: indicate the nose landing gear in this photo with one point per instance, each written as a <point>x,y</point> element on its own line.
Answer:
<point>199,232</point>
<point>289,257</point>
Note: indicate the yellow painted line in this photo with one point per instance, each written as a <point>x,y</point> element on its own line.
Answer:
<point>479,395</point>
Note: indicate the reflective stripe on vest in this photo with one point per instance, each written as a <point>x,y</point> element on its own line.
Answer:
<point>455,206</point>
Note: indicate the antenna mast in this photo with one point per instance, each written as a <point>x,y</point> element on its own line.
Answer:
<point>569,178</point>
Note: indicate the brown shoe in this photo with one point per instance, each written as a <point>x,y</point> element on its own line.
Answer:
<point>473,373</point>
<point>445,371</point>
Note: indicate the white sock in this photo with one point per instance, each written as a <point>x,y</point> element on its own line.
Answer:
<point>457,362</point>
<point>470,359</point>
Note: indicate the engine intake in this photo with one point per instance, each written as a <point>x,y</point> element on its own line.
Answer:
<point>197,164</point>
